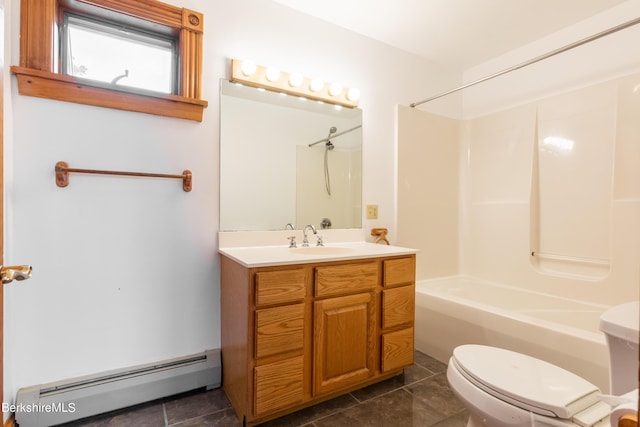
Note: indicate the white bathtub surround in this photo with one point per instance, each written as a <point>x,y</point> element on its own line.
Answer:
<point>461,310</point>
<point>429,190</point>
<point>544,196</point>
<point>522,183</point>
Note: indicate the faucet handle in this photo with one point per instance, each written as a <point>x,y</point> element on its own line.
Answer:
<point>320,242</point>
<point>292,242</point>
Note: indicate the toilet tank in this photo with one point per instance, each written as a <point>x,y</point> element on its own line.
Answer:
<point>621,326</point>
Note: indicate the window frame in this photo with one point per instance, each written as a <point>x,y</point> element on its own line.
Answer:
<point>39,73</point>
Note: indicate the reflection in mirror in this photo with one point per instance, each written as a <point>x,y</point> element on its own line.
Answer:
<point>282,162</point>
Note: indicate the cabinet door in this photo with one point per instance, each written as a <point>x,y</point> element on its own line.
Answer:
<point>344,333</point>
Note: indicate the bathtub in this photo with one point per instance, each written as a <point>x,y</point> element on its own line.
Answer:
<point>460,310</point>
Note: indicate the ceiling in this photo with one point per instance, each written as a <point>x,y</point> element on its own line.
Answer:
<point>456,34</point>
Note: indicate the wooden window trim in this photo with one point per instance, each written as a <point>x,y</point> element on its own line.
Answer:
<point>38,77</point>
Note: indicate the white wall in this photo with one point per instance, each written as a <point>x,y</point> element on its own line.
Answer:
<point>125,269</point>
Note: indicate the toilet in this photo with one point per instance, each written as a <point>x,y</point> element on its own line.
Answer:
<point>502,388</point>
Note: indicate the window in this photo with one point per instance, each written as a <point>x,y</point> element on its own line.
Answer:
<point>108,54</point>
<point>136,55</point>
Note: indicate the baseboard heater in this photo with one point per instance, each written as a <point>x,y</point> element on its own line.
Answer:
<point>64,401</point>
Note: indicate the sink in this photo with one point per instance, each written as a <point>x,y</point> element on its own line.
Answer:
<point>321,250</point>
<point>263,253</point>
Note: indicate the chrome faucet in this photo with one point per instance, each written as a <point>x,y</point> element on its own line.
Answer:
<point>292,239</point>
<point>305,240</point>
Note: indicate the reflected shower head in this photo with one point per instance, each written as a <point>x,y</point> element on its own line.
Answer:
<point>329,145</point>
<point>327,140</point>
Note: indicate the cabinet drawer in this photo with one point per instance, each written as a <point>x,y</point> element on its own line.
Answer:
<point>399,271</point>
<point>278,385</point>
<point>277,287</point>
<point>346,279</point>
<point>397,349</point>
<point>279,329</point>
<point>398,306</point>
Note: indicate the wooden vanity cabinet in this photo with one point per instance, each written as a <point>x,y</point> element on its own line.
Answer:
<point>295,335</point>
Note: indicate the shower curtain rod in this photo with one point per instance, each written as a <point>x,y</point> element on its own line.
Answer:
<point>534,60</point>
<point>335,135</point>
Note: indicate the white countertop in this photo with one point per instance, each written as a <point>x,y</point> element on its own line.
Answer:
<point>263,256</point>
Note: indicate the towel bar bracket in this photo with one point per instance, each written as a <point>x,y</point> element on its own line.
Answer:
<point>62,170</point>
<point>187,180</point>
<point>62,175</point>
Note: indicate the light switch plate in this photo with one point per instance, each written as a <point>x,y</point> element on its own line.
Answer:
<point>372,211</point>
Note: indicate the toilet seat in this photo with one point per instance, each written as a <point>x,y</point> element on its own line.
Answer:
<point>526,382</point>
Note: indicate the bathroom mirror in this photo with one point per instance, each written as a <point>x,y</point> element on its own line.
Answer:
<point>276,167</point>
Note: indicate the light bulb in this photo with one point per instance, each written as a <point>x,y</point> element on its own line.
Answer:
<point>248,67</point>
<point>295,79</point>
<point>316,85</point>
<point>272,73</point>
<point>353,94</point>
<point>335,89</point>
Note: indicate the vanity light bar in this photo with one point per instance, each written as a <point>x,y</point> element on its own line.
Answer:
<point>271,78</point>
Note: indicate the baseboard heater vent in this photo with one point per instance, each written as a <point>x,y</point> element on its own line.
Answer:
<point>64,401</point>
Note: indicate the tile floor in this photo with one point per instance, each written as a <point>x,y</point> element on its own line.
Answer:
<point>419,397</point>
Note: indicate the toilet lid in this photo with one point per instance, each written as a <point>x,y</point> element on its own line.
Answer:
<point>524,381</point>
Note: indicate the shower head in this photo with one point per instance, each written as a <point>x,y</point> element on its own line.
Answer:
<point>333,134</point>
<point>329,145</point>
